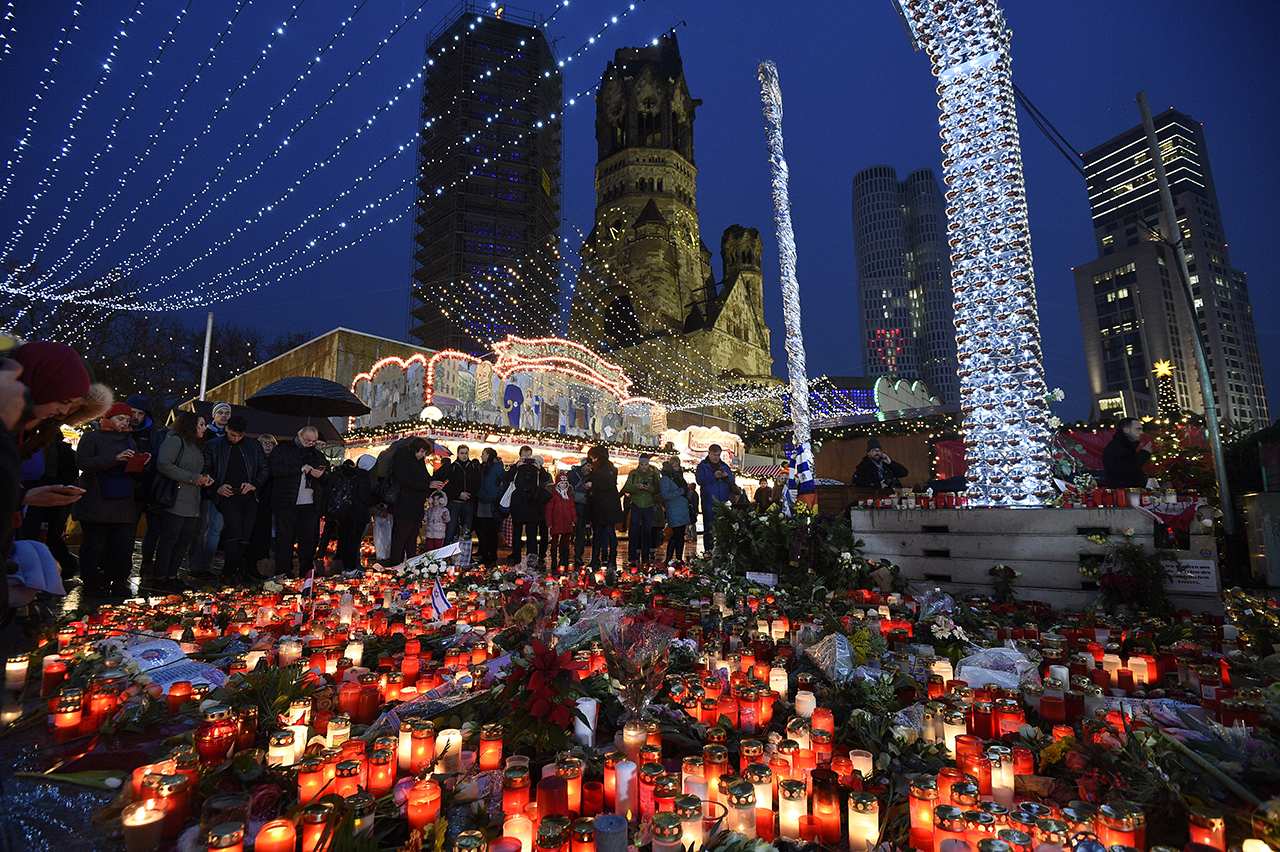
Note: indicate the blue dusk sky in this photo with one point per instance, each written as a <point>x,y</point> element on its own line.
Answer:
<point>855,94</point>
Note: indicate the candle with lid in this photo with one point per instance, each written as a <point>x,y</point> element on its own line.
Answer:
<point>225,837</point>
<point>15,672</point>
<point>792,804</point>
<point>864,822</point>
<point>490,746</point>
<point>689,810</point>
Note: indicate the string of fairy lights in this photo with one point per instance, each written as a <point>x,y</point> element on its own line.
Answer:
<point>340,147</point>
<point>65,147</point>
<point>122,268</point>
<point>153,139</point>
<point>208,296</point>
<point>109,140</point>
<point>172,304</point>
<point>162,182</point>
<point>43,87</point>
<point>8,29</point>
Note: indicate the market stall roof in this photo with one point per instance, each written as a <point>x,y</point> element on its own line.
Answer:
<point>760,471</point>
<point>282,426</point>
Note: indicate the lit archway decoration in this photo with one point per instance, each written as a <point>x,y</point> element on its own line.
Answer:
<point>1002,388</point>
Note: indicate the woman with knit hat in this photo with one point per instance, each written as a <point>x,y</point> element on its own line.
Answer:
<point>61,393</point>
<point>108,512</point>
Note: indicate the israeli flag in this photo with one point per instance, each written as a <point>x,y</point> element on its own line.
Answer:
<point>439,603</point>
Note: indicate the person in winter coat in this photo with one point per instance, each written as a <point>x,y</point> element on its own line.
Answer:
<point>578,477</point>
<point>53,465</point>
<point>675,496</point>
<point>239,468</point>
<point>298,470</point>
<point>642,487</point>
<point>260,538</point>
<point>877,470</point>
<point>531,482</point>
<point>147,436</point>
<point>489,493</point>
<point>461,478</point>
<point>351,494</point>
<point>211,520</point>
<point>181,460</point>
<point>60,393</point>
<point>716,480</point>
<point>605,507</point>
<point>108,511</point>
<point>436,521</point>
<point>411,483</point>
<point>1124,458</point>
<point>562,520</point>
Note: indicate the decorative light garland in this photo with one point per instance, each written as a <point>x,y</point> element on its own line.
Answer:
<point>162,182</point>
<point>42,91</point>
<point>50,176</point>
<point>9,28</point>
<point>152,140</point>
<point>1002,386</point>
<point>108,142</point>
<point>204,297</point>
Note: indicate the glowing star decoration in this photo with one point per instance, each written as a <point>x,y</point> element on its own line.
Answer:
<point>1162,369</point>
<point>771,95</point>
<point>1002,389</point>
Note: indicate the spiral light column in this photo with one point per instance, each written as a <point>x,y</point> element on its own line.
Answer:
<point>1002,388</point>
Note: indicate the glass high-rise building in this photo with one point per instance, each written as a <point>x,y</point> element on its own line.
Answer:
<point>904,278</point>
<point>488,214</point>
<point>1132,307</point>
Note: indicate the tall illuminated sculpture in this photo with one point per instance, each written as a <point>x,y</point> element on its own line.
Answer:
<point>1002,388</point>
<point>801,483</point>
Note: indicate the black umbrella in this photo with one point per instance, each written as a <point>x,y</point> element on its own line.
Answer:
<point>307,396</point>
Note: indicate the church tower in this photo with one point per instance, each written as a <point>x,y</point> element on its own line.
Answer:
<point>646,275</point>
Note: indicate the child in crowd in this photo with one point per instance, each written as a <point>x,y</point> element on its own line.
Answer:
<point>436,522</point>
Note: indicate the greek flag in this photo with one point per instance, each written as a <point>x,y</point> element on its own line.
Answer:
<point>439,603</point>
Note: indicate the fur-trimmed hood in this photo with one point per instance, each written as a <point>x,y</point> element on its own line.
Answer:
<point>94,404</point>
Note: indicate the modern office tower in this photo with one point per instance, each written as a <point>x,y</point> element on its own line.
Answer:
<point>904,278</point>
<point>488,214</point>
<point>1132,307</point>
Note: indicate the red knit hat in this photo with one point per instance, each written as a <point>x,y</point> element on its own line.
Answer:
<point>118,408</point>
<point>54,372</point>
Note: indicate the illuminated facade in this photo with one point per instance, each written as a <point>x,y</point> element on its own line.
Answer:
<point>533,384</point>
<point>904,278</point>
<point>646,287</point>
<point>487,198</point>
<point>1132,308</point>
<point>1002,389</point>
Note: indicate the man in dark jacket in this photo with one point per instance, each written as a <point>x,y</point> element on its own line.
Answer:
<point>461,478</point>
<point>410,483</point>
<point>239,468</point>
<point>528,503</point>
<point>877,470</point>
<point>147,436</point>
<point>1124,457</point>
<point>297,474</point>
<point>579,476</point>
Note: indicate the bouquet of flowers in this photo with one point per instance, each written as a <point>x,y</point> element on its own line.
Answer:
<point>637,651</point>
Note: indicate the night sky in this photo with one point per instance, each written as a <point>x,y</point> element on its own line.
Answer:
<point>855,95</point>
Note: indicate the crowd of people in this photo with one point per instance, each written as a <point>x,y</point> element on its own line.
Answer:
<point>186,489</point>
